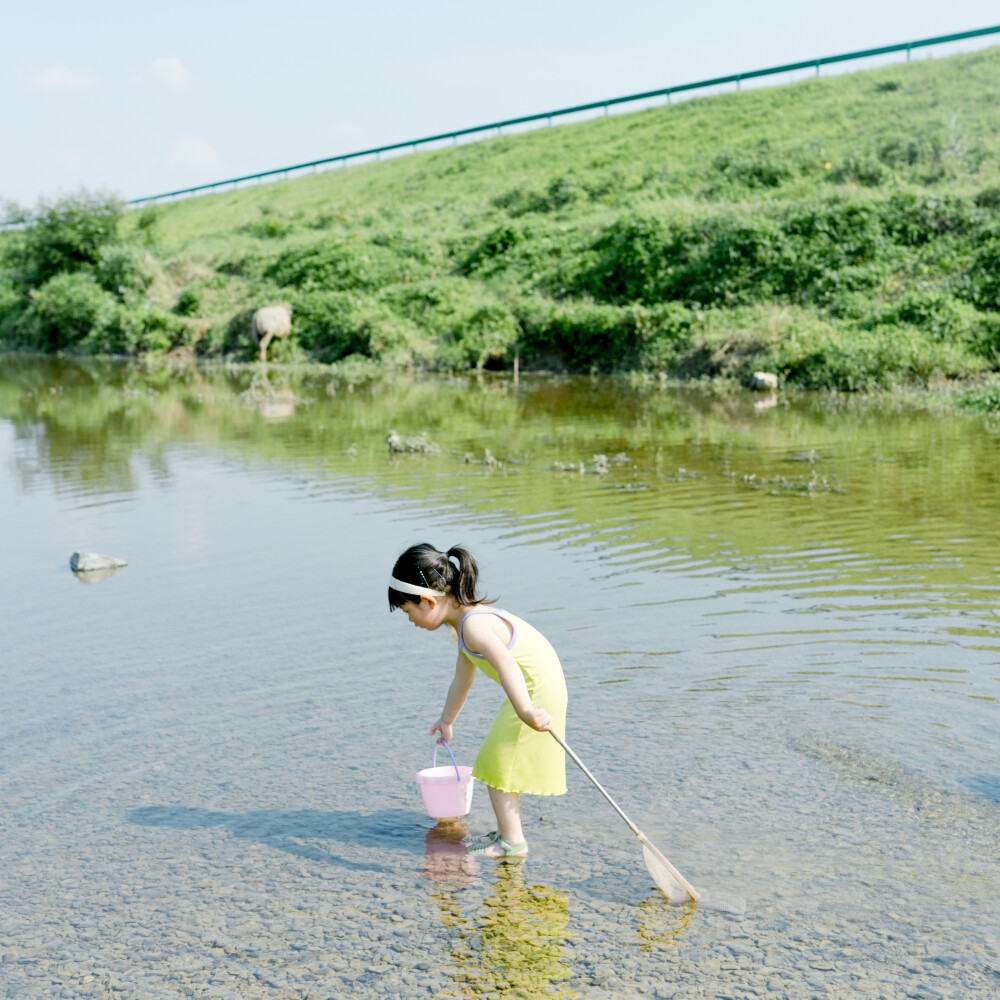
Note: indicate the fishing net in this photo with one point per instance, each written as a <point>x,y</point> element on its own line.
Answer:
<point>667,878</point>
<point>675,887</point>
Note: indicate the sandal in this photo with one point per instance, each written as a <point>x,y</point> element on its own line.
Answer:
<point>487,838</point>
<point>509,850</point>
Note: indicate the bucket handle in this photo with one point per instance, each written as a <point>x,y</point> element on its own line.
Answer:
<point>434,757</point>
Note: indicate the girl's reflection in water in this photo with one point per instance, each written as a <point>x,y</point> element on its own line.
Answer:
<point>516,943</point>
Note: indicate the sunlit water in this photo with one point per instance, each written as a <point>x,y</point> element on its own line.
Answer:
<point>779,627</point>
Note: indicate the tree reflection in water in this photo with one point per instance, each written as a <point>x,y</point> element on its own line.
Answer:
<point>515,945</point>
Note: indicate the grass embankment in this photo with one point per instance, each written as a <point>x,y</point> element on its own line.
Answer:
<point>842,232</point>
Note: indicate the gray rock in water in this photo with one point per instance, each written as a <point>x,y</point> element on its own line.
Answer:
<point>93,562</point>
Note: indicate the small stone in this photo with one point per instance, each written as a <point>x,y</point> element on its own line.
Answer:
<point>89,567</point>
<point>90,562</point>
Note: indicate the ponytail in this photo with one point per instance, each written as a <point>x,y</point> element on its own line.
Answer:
<point>464,582</point>
<point>453,572</point>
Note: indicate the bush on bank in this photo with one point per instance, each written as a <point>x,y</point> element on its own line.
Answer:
<point>70,283</point>
<point>851,244</point>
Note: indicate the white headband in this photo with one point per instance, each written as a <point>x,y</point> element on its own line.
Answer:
<point>412,588</point>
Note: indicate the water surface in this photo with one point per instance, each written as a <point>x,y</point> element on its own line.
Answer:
<point>779,626</point>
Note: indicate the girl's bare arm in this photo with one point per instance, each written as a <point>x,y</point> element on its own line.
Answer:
<point>465,674</point>
<point>481,636</point>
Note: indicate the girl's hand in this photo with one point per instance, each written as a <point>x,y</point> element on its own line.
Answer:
<point>443,729</point>
<point>538,719</point>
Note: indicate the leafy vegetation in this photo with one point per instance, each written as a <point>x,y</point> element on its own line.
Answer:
<point>843,233</point>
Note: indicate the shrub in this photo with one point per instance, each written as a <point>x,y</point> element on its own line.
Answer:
<point>135,330</point>
<point>982,285</point>
<point>123,270</point>
<point>333,325</point>
<point>983,398</point>
<point>754,169</point>
<point>340,265</point>
<point>66,309</point>
<point>632,259</point>
<point>67,235</point>
<point>867,360</point>
<point>271,227</point>
<point>984,335</point>
<point>936,313</point>
<point>988,198</point>
<point>189,301</point>
<point>588,336</point>
<point>863,170</point>
<point>146,222</point>
<point>560,193</point>
<point>812,253</point>
<point>489,252</point>
<point>480,333</point>
<point>913,219</point>
<point>12,306</point>
<point>716,260</point>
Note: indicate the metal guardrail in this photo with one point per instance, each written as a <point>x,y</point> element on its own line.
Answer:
<point>667,92</point>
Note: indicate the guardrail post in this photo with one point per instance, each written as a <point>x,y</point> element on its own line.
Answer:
<point>907,53</point>
<point>737,84</point>
<point>817,67</point>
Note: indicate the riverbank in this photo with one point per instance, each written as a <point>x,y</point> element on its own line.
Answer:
<point>842,233</point>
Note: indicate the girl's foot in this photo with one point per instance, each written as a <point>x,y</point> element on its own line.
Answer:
<point>486,838</point>
<point>500,848</point>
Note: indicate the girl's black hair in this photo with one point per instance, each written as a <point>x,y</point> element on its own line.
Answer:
<point>424,566</point>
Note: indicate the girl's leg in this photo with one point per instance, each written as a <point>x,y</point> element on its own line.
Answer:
<point>507,807</point>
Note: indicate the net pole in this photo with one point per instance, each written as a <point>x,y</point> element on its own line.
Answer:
<point>583,767</point>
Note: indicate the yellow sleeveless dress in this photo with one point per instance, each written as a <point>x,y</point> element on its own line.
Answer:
<point>514,757</point>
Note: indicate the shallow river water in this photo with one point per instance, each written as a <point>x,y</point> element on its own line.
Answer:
<point>779,626</point>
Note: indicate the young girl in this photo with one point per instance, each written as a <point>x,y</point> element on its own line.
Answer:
<point>519,755</point>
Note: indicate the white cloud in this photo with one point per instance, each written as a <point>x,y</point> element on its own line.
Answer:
<point>169,73</point>
<point>192,155</point>
<point>61,80</point>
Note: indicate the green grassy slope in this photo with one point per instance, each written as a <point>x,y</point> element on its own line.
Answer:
<point>843,232</point>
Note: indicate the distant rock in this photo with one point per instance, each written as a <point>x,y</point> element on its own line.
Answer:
<point>764,381</point>
<point>91,566</point>
<point>409,446</point>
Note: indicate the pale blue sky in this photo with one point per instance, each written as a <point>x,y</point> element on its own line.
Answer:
<point>139,99</point>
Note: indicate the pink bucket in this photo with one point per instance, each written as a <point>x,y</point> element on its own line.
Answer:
<point>447,791</point>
